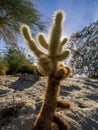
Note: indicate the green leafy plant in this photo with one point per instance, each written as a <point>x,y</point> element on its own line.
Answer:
<point>56,72</point>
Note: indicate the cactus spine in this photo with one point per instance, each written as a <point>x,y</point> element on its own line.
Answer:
<point>49,65</point>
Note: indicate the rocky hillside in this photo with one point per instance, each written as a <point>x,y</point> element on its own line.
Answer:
<point>21,99</point>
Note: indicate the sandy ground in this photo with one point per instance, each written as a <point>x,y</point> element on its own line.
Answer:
<point>21,99</point>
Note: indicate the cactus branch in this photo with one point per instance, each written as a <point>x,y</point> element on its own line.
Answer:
<point>45,65</point>
<point>62,124</point>
<point>33,47</point>
<point>63,41</point>
<point>63,105</point>
<point>42,41</point>
<point>30,41</point>
<point>55,34</point>
<point>64,55</point>
<point>61,45</point>
<point>49,65</point>
<point>63,72</point>
<point>25,31</point>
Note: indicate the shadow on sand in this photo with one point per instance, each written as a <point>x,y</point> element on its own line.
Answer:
<point>23,83</point>
<point>91,83</point>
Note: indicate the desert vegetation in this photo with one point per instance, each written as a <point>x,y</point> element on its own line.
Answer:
<point>56,86</point>
<point>14,60</point>
<point>56,72</point>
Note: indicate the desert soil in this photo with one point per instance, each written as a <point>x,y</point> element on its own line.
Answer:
<point>21,99</point>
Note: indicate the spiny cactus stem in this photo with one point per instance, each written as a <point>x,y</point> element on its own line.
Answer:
<point>42,41</point>
<point>55,39</point>
<point>63,55</point>
<point>62,124</point>
<point>50,103</point>
<point>63,41</point>
<point>49,62</point>
<point>34,49</point>
<point>54,62</point>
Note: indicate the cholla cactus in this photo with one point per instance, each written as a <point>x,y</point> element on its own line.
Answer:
<point>49,65</point>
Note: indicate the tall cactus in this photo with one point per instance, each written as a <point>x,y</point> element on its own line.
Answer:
<point>49,65</point>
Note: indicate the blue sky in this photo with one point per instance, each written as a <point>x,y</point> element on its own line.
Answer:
<point>79,13</point>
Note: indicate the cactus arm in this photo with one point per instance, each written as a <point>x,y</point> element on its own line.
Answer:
<point>63,72</point>
<point>49,105</point>
<point>45,65</point>
<point>42,41</point>
<point>49,65</point>
<point>55,34</point>
<point>61,45</point>
<point>54,41</point>
<point>61,123</point>
<point>63,55</point>
<point>63,41</point>
<point>33,47</point>
<point>25,31</point>
<point>63,105</point>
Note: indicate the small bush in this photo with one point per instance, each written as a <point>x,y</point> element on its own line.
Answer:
<point>17,60</point>
<point>3,67</point>
<point>28,68</point>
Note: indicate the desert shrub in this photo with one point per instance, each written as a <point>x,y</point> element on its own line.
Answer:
<point>16,60</point>
<point>93,74</point>
<point>28,68</point>
<point>3,66</point>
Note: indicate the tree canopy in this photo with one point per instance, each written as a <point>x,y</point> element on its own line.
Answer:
<point>85,58</point>
<point>13,13</point>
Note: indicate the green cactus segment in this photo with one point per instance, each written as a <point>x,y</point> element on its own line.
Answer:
<point>30,41</point>
<point>60,48</point>
<point>49,65</point>
<point>55,34</point>
<point>62,72</point>
<point>63,105</point>
<point>33,47</point>
<point>26,33</point>
<point>64,41</point>
<point>59,17</point>
<point>61,123</point>
<point>42,41</point>
<point>63,55</point>
<point>45,65</point>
